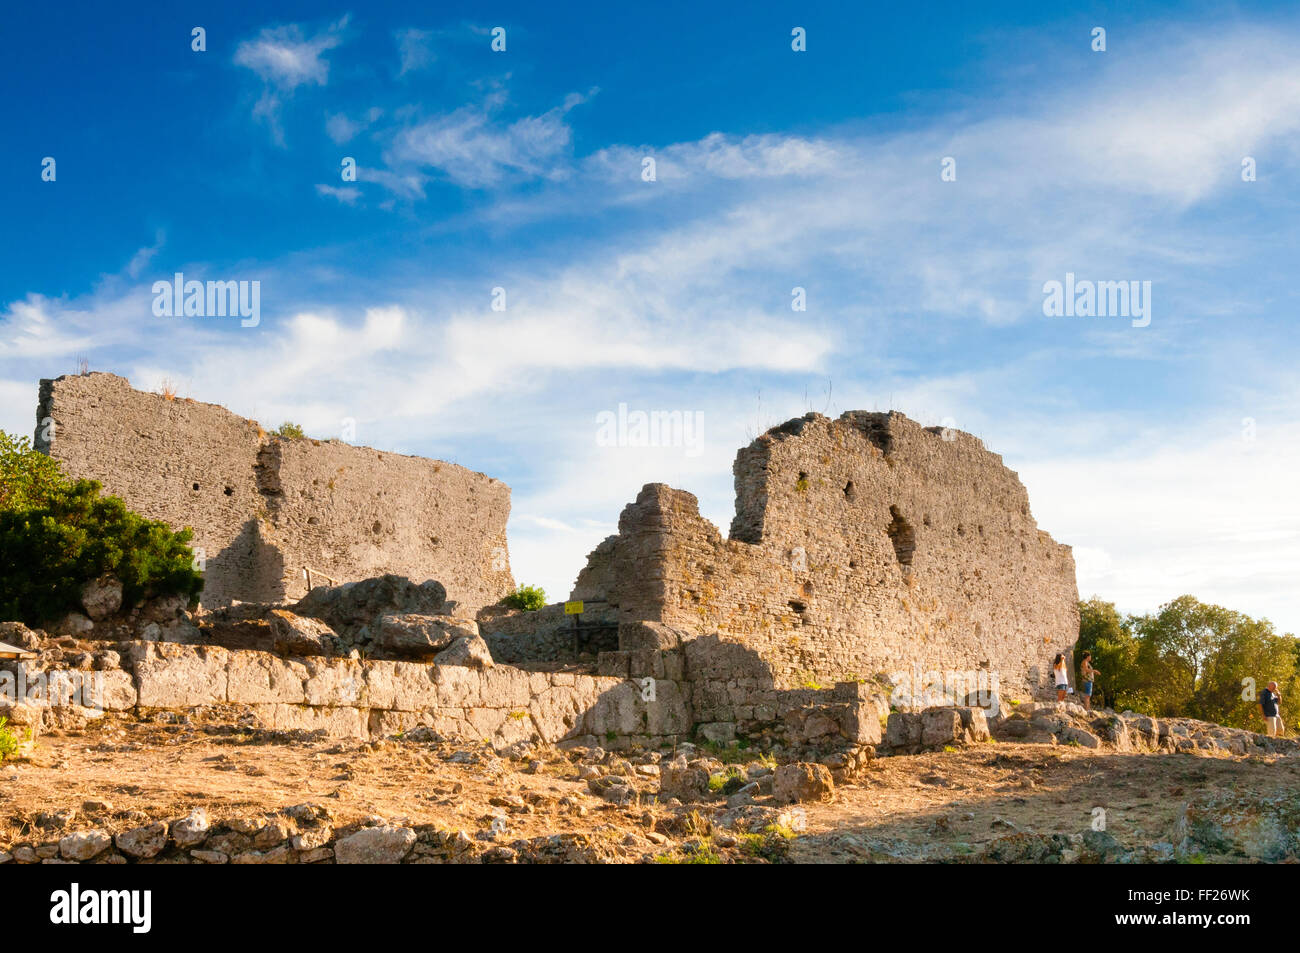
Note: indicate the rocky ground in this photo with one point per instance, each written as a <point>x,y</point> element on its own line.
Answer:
<point>201,790</point>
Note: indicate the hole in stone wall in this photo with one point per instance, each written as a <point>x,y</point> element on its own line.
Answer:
<point>377,527</point>
<point>196,486</point>
<point>853,564</point>
<point>229,491</point>
<point>798,606</point>
<point>902,535</point>
<point>850,492</point>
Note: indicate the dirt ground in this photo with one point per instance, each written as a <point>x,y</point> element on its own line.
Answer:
<point>947,804</point>
<point>938,806</point>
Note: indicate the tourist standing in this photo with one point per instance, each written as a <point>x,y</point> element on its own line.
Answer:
<point>1270,703</point>
<point>1087,674</point>
<point>1061,675</point>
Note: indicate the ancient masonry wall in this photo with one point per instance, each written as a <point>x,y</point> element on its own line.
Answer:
<point>647,705</point>
<point>861,546</point>
<point>348,698</point>
<point>263,507</point>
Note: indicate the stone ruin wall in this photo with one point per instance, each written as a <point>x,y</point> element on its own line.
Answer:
<point>263,507</point>
<point>861,546</point>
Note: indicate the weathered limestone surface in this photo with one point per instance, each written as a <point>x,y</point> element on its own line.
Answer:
<point>363,699</point>
<point>861,546</point>
<point>263,507</point>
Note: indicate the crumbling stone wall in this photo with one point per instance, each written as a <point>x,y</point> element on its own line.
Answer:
<point>263,507</point>
<point>365,699</point>
<point>861,546</point>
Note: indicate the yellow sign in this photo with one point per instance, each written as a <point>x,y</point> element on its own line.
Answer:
<point>573,608</point>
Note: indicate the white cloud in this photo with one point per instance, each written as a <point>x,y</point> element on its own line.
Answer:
<point>141,258</point>
<point>1200,513</point>
<point>471,148</point>
<point>285,59</point>
<point>348,195</point>
<point>415,50</point>
<point>342,129</point>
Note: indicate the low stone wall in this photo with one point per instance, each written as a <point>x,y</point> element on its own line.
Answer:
<point>543,636</point>
<point>348,698</point>
<point>303,834</point>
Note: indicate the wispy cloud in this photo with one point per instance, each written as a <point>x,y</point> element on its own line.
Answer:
<point>473,148</point>
<point>342,129</point>
<point>285,58</point>
<point>415,47</point>
<point>347,195</point>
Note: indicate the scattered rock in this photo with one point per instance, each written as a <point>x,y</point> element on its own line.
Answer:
<point>803,781</point>
<point>1265,829</point>
<point>686,782</point>
<point>73,624</point>
<point>101,597</point>
<point>147,841</point>
<point>375,845</point>
<point>312,839</point>
<point>192,829</point>
<point>210,856</point>
<point>412,636</point>
<point>467,651</point>
<point>84,845</point>
<point>744,796</point>
<point>293,634</point>
<point>356,605</point>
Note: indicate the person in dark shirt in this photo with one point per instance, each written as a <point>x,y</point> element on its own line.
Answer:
<point>1270,704</point>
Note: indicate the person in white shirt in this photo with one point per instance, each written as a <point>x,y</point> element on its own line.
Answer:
<point>1061,673</point>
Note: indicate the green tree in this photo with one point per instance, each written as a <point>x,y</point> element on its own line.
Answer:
<point>1189,659</point>
<point>1109,636</point>
<point>291,430</point>
<point>55,536</point>
<point>27,477</point>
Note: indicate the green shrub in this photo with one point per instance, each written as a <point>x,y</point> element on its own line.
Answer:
<point>291,430</point>
<point>27,478</point>
<point>56,536</point>
<point>728,782</point>
<point>527,598</point>
<point>701,853</point>
<point>8,740</point>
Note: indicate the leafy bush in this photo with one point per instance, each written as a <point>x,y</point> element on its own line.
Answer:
<point>55,536</point>
<point>8,740</point>
<point>527,598</point>
<point>290,430</point>
<point>27,478</point>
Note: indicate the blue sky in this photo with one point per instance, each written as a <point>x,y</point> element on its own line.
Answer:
<point>1166,454</point>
